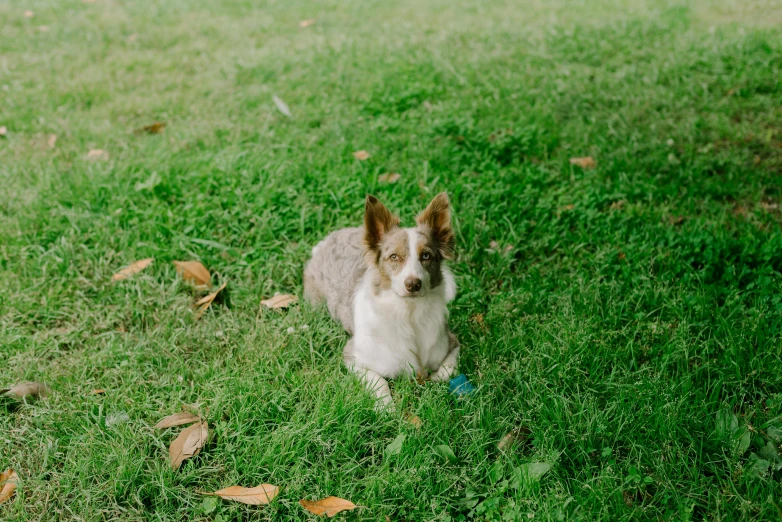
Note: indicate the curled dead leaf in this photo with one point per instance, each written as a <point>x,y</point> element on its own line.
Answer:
<point>193,272</point>
<point>328,506</point>
<point>361,155</point>
<point>32,390</point>
<point>204,303</point>
<point>154,128</point>
<point>586,162</point>
<point>8,482</point>
<point>99,391</point>
<point>132,270</point>
<point>391,177</point>
<point>188,444</point>
<point>177,419</point>
<point>98,155</point>
<point>307,23</point>
<point>279,301</point>
<point>262,494</point>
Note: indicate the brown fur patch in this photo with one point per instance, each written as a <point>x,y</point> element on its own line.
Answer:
<point>393,243</point>
<point>427,245</point>
<point>436,219</point>
<point>378,221</point>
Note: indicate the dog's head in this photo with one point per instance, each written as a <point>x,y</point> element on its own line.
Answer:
<point>409,260</point>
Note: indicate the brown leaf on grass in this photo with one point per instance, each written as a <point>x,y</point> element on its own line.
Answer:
<point>32,390</point>
<point>188,444</point>
<point>154,128</point>
<point>361,155</point>
<point>98,155</point>
<point>177,419</point>
<point>586,162</point>
<point>28,14</point>
<point>307,23</point>
<point>99,391</point>
<point>520,434</point>
<point>8,481</point>
<point>51,140</point>
<point>328,506</point>
<point>132,270</point>
<point>279,301</point>
<point>3,131</point>
<point>391,177</point>
<point>414,420</point>
<point>204,303</point>
<point>193,272</point>
<point>262,494</point>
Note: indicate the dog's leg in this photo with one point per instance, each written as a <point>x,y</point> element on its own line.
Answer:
<point>375,383</point>
<point>372,380</point>
<point>448,367</point>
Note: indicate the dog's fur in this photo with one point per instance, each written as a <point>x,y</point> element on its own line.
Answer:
<point>389,287</point>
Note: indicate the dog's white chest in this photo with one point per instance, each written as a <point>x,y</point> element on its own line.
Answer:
<point>396,336</point>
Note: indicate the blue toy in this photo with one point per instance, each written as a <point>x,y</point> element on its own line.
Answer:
<point>460,386</point>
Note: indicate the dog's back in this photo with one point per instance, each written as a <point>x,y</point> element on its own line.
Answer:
<point>336,268</point>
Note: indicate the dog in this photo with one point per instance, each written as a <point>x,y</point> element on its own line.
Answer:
<point>389,288</point>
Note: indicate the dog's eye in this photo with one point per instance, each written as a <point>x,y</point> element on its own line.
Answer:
<point>426,256</point>
<point>394,257</point>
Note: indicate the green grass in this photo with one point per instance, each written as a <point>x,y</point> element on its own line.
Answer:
<point>634,303</point>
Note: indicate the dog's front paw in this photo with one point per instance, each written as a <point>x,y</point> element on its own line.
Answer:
<point>385,404</point>
<point>443,374</point>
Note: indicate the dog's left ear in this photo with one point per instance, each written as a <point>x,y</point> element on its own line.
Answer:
<point>437,218</point>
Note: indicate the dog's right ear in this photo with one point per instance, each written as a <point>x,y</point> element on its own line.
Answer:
<point>377,222</point>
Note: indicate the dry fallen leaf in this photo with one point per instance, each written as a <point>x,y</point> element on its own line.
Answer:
<point>177,419</point>
<point>520,434</point>
<point>193,272</point>
<point>28,14</point>
<point>33,390</point>
<point>328,506</point>
<point>279,301</point>
<point>585,163</point>
<point>306,23</point>
<point>281,106</point>
<point>415,420</point>
<point>98,154</point>
<point>8,482</point>
<point>132,270</point>
<point>51,140</point>
<point>99,391</point>
<point>155,128</point>
<point>262,494</point>
<point>391,177</point>
<point>205,302</point>
<point>361,155</point>
<point>3,131</point>
<point>188,443</point>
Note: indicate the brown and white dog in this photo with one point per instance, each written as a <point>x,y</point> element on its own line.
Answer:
<point>389,288</point>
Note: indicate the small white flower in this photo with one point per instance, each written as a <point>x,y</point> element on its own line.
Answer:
<point>305,327</point>
<point>291,330</point>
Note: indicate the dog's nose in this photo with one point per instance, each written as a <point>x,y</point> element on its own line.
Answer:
<point>412,284</point>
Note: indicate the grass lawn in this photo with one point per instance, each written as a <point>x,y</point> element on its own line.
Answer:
<point>628,315</point>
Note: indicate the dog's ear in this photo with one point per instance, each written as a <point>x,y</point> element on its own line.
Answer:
<point>377,222</point>
<point>437,219</point>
